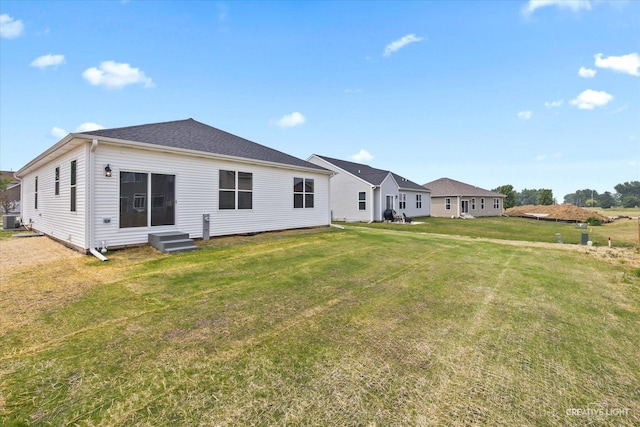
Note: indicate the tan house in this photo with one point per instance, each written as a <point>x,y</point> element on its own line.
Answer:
<point>455,199</point>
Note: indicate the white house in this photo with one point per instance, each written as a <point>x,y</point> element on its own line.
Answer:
<point>113,187</point>
<point>362,193</point>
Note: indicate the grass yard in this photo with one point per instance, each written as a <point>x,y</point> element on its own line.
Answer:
<point>331,327</point>
<point>623,232</point>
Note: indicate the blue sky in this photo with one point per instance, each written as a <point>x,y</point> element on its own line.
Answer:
<point>536,94</point>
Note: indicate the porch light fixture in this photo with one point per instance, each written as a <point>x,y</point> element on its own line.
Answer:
<point>107,171</point>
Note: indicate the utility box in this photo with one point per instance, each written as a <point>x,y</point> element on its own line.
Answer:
<point>205,227</point>
<point>9,222</point>
<point>584,238</point>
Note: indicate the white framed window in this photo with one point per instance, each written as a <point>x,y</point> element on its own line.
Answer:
<point>496,203</point>
<point>447,204</point>
<point>35,194</point>
<point>235,190</point>
<point>74,174</point>
<point>402,201</point>
<point>56,190</point>
<point>418,201</point>
<point>473,204</point>
<point>303,192</point>
<point>362,201</point>
<point>482,203</point>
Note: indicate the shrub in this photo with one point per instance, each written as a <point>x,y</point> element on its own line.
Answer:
<point>592,220</point>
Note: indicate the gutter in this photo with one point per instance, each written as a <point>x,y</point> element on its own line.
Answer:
<point>92,197</point>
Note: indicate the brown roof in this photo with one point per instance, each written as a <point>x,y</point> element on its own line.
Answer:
<point>450,187</point>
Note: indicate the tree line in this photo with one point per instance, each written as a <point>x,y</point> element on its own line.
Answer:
<point>627,195</point>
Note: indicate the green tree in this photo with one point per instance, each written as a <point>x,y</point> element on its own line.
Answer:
<point>606,200</point>
<point>630,201</point>
<point>628,189</point>
<point>527,197</point>
<point>510,195</point>
<point>545,196</point>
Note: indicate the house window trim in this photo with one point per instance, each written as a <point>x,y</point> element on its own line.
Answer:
<point>73,186</point>
<point>496,203</point>
<point>305,193</point>
<point>418,201</point>
<point>482,203</point>
<point>447,203</point>
<point>473,204</point>
<point>362,200</point>
<point>56,181</point>
<point>402,201</point>
<point>35,194</point>
<point>236,190</point>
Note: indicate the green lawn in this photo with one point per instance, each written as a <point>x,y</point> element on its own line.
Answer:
<point>623,233</point>
<point>333,327</point>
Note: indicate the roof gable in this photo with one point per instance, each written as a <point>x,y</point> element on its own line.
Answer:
<point>190,134</point>
<point>451,187</point>
<point>370,174</point>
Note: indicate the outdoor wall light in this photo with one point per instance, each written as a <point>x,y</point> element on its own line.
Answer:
<point>107,171</point>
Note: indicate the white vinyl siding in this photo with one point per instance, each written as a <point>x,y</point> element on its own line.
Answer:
<point>53,216</point>
<point>197,193</point>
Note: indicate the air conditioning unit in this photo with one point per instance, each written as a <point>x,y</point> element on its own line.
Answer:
<point>8,222</point>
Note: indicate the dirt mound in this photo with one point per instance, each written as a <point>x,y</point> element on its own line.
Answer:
<point>566,212</point>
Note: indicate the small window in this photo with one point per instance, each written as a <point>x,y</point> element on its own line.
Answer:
<point>402,201</point>
<point>362,201</point>
<point>235,190</point>
<point>57,182</point>
<point>418,201</point>
<point>35,198</point>
<point>303,192</point>
<point>473,204</point>
<point>482,203</point>
<point>447,203</point>
<point>496,203</point>
<point>74,172</point>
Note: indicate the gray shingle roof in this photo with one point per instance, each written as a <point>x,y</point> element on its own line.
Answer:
<point>190,134</point>
<point>451,187</point>
<point>372,175</point>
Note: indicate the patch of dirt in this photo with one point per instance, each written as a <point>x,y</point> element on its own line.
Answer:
<point>38,274</point>
<point>565,212</point>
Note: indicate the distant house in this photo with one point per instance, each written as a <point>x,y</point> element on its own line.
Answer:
<point>362,193</point>
<point>113,187</point>
<point>451,198</point>
<point>10,197</point>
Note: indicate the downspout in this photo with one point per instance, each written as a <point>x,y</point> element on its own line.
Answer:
<point>92,197</point>
<point>458,197</point>
<point>373,204</point>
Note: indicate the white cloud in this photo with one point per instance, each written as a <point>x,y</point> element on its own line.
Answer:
<point>554,104</point>
<point>116,75</point>
<point>290,120</point>
<point>400,43</point>
<point>47,61</point>
<point>622,64</point>
<point>9,27</point>
<point>586,73</point>
<point>84,127</point>
<point>573,5</point>
<point>353,91</point>
<point>58,132</point>
<point>589,99</point>
<point>362,156</point>
<point>88,127</point>
<point>525,115</point>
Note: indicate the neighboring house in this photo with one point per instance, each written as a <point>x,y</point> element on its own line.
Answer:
<point>451,198</point>
<point>362,193</point>
<point>112,187</point>
<point>10,197</point>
